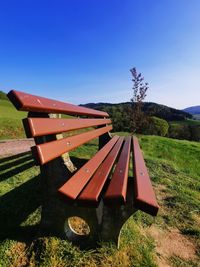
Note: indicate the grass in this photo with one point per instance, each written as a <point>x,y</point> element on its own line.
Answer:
<point>175,170</point>
<point>175,164</point>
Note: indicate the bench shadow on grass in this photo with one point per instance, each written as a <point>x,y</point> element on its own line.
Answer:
<point>13,157</point>
<point>11,166</point>
<point>17,204</point>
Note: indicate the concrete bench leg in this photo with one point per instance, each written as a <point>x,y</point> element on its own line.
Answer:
<point>113,218</point>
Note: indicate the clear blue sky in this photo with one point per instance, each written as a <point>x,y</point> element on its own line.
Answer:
<point>81,51</point>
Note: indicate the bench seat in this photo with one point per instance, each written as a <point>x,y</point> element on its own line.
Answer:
<point>95,180</point>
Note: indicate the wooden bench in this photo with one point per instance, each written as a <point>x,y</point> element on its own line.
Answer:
<point>101,190</point>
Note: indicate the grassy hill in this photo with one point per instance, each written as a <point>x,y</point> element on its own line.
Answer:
<point>171,238</point>
<point>10,121</point>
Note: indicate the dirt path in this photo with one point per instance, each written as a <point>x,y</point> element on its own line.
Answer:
<point>13,147</point>
<point>171,243</point>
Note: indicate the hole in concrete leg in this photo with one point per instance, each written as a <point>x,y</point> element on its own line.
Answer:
<point>76,227</point>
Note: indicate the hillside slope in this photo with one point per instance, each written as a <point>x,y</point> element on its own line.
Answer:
<point>3,95</point>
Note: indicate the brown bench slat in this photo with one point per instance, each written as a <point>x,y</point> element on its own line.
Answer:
<point>76,183</point>
<point>54,149</point>
<point>27,102</point>
<point>43,126</point>
<point>116,192</point>
<point>145,198</point>
<point>91,192</point>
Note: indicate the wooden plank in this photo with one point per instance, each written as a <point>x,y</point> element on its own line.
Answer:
<point>116,192</point>
<point>72,188</point>
<point>44,126</point>
<point>27,102</point>
<point>91,192</point>
<point>145,198</point>
<point>54,149</point>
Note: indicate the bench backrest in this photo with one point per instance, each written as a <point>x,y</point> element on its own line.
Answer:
<point>39,124</point>
<point>91,181</point>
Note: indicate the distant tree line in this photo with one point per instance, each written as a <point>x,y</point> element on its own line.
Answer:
<point>184,131</point>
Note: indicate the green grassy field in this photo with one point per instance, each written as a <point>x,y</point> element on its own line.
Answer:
<point>186,122</point>
<point>171,238</point>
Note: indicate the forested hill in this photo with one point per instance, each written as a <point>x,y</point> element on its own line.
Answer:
<point>151,109</point>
